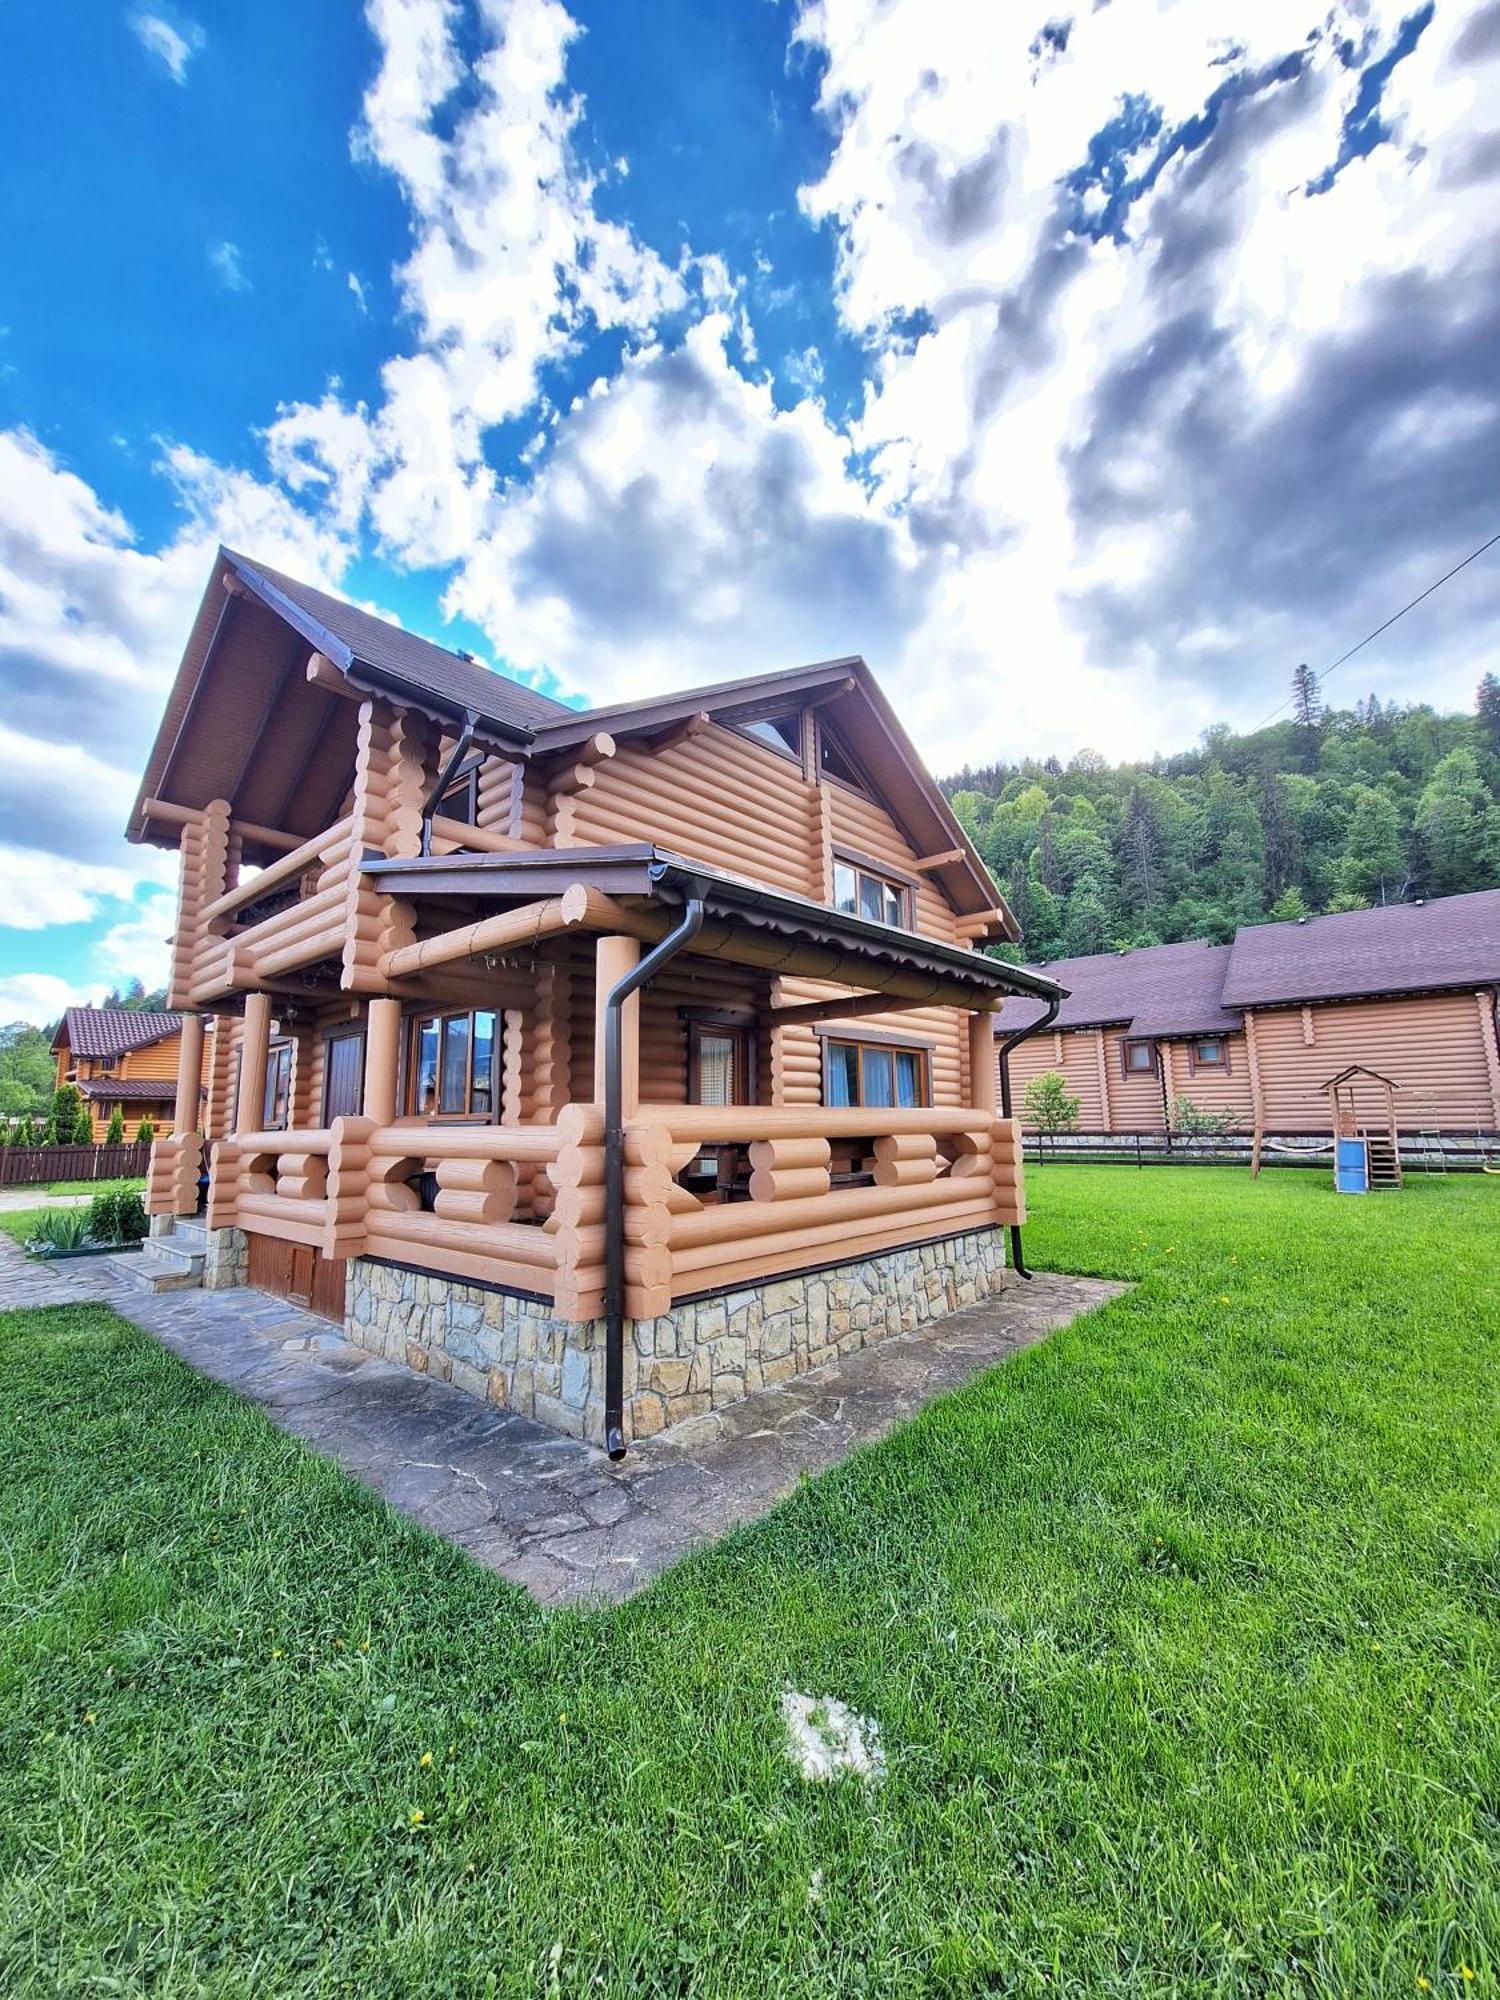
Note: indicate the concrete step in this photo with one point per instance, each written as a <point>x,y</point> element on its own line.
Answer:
<point>186,1236</point>
<point>162,1264</point>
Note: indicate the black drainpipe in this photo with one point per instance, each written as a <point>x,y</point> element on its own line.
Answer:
<point>460,750</point>
<point>1018,1260</point>
<point>614,1165</point>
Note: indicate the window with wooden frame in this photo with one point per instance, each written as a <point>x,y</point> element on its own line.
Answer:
<point>835,762</point>
<point>451,1067</point>
<point>276,1110</point>
<point>782,733</point>
<point>869,1074</point>
<point>1210,1052</point>
<point>863,891</point>
<point>719,1063</point>
<point>1138,1058</point>
<point>461,800</point>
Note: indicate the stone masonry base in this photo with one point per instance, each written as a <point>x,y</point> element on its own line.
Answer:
<point>701,1356</point>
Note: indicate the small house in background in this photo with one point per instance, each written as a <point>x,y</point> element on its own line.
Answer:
<point>119,1056</point>
<point>1256,1028</point>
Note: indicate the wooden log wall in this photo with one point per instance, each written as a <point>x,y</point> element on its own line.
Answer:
<point>203,876</point>
<point>718,797</point>
<point>1432,1046</point>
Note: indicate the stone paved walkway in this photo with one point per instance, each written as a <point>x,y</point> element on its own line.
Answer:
<point>547,1511</point>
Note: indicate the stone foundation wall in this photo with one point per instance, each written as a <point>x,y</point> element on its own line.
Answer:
<point>226,1260</point>
<point>698,1357</point>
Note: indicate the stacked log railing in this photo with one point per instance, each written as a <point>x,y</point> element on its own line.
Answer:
<point>310,929</point>
<point>930,1172</point>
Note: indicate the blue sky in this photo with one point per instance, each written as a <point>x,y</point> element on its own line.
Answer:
<point>1083,367</point>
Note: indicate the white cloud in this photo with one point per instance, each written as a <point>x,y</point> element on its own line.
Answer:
<point>139,947</point>
<point>41,997</point>
<point>228,266</point>
<point>361,296</point>
<point>510,265</point>
<point>173,44</point>
<point>91,630</point>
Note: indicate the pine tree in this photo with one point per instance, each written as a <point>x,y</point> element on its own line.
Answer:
<point>1487,707</point>
<point>1307,703</point>
<point>145,1133</point>
<point>115,1132</point>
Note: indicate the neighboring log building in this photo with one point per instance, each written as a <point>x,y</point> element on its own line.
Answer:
<point>1257,1028</point>
<point>120,1056</point>
<point>453,873</point>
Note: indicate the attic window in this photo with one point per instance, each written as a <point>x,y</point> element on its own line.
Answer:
<point>1139,1058</point>
<point>833,763</point>
<point>461,800</point>
<point>782,732</point>
<point>1209,1052</point>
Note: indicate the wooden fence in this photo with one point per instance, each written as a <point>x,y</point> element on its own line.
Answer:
<point>34,1166</point>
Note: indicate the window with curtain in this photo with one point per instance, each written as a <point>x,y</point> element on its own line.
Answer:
<point>873,1074</point>
<point>278,1101</point>
<point>718,1064</point>
<point>864,894</point>
<point>452,1064</point>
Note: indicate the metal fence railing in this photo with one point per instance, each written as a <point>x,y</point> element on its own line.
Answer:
<point>1421,1152</point>
<point>35,1166</point>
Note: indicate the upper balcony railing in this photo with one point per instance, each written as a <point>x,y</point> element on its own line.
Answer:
<point>238,945</point>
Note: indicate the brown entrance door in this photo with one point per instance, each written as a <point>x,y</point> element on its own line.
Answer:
<point>344,1085</point>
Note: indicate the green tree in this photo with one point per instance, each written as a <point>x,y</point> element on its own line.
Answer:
<point>1450,818</point>
<point>27,1070</point>
<point>145,1133</point>
<point>1373,863</point>
<point>69,1124</point>
<point>1047,1106</point>
<point>1487,708</point>
<point>1290,906</point>
<point>114,1134</point>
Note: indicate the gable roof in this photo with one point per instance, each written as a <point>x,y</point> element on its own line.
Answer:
<point>1160,990</point>
<point>1167,991</point>
<point>849,694</point>
<point>111,1031</point>
<point>1404,948</point>
<point>367,647</point>
<point>192,762</point>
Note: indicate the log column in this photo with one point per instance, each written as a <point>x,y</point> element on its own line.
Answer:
<point>613,958</point>
<point>189,1075</point>
<point>984,1068</point>
<point>255,1042</point>
<point>382,1056</point>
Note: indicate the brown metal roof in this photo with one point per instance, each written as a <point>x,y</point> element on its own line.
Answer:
<point>1160,990</point>
<point>1406,948</point>
<point>110,1031</point>
<point>129,1090</point>
<point>360,640</point>
<point>870,950</point>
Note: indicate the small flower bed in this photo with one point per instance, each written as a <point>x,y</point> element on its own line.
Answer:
<point>113,1220</point>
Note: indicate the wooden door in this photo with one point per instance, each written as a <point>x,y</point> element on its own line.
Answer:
<point>344,1077</point>
<point>297,1272</point>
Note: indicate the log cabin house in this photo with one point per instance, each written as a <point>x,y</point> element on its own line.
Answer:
<point>1258,1027</point>
<point>608,1064</point>
<point>121,1056</point>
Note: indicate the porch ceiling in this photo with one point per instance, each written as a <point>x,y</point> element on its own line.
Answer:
<point>845,948</point>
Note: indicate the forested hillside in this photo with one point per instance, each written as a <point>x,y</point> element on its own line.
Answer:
<point>1332,810</point>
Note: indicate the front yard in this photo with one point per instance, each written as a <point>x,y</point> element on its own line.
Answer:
<point>1181,1633</point>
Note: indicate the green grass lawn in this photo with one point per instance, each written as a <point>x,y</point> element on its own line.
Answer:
<point>137,1186</point>
<point>1182,1632</point>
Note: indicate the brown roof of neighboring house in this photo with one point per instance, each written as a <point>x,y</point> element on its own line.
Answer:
<point>1405,948</point>
<point>359,638</point>
<point>1158,990</point>
<point>129,1089</point>
<point>110,1031</point>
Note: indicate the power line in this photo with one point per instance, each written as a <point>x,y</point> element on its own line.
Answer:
<point>1369,636</point>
